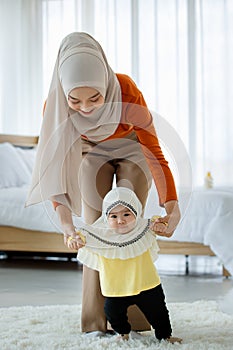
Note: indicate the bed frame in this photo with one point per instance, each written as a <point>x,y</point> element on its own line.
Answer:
<point>14,239</point>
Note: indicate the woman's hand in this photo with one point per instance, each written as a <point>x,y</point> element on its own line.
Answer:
<point>166,225</point>
<point>74,242</point>
<point>71,238</point>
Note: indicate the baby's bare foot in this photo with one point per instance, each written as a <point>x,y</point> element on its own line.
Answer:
<point>123,337</point>
<point>174,340</point>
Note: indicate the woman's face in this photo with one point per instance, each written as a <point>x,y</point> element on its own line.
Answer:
<point>85,100</point>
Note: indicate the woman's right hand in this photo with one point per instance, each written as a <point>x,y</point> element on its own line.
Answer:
<point>74,242</point>
<point>71,239</point>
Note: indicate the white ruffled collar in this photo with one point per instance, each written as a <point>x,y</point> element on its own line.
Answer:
<point>106,243</point>
<point>100,237</point>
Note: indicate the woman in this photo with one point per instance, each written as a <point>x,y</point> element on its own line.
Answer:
<point>96,130</point>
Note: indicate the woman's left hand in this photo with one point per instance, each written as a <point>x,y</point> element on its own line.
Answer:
<point>166,225</point>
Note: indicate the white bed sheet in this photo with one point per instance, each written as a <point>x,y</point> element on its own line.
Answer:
<point>208,218</point>
<point>40,217</point>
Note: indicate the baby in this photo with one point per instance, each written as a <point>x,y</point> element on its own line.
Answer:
<point>122,247</point>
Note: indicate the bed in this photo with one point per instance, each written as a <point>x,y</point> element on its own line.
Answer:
<point>205,229</point>
<point>28,230</point>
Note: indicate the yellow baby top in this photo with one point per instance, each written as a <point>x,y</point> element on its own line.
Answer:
<point>127,277</point>
<point>125,262</point>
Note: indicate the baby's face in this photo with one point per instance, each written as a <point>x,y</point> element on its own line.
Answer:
<point>121,219</point>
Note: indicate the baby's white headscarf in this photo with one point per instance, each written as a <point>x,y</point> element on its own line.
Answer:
<point>80,62</point>
<point>104,241</point>
<point>121,196</point>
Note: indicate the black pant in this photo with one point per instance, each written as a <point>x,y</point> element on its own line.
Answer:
<point>151,302</point>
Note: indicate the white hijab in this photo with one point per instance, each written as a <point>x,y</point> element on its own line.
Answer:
<point>104,241</point>
<point>80,62</point>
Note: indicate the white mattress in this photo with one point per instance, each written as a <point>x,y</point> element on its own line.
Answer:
<point>208,218</point>
<point>39,217</point>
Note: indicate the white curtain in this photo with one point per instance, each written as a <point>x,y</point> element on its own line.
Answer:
<point>179,52</point>
<point>20,66</point>
<point>212,145</point>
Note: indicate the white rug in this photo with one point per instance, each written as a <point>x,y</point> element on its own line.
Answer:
<point>201,325</point>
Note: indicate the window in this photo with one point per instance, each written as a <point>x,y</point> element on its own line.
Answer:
<point>178,52</point>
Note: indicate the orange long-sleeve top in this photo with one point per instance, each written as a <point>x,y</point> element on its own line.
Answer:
<point>136,117</point>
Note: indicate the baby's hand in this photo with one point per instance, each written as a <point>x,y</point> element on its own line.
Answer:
<point>159,225</point>
<point>75,242</point>
<point>73,239</point>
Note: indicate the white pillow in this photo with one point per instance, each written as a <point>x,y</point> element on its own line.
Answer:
<point>13,171</point>
<point>28,156</point>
